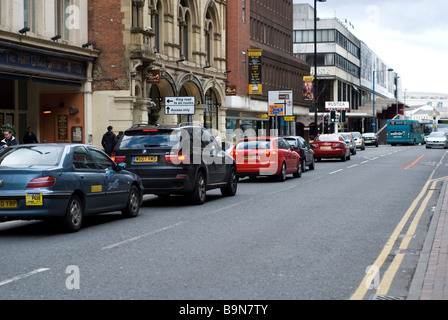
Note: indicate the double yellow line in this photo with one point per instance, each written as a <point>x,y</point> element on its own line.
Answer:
<point>373,272</point>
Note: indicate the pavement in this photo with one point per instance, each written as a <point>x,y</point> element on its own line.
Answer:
<point>430,280</point>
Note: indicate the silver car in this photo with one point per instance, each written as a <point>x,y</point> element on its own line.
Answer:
<point>349,140</point>
<point>359,140</point>
<point>437,139</point>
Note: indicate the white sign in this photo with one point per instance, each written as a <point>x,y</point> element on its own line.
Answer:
<point>337,105</point>
<point>282,98</point>
<point>179,105</point>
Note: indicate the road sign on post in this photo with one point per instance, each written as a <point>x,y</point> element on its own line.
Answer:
<point>283,98</point>
<point>180,105</point>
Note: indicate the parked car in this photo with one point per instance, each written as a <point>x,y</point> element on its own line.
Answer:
<point>359,140</point>
<point>437,139</point>
<point>66,182</point>
<point>370,139</point>
<point>266,156</point>
<point>303,149</point>
<point>330,146</point>
<point>349,140</point>
<point>179,159</point>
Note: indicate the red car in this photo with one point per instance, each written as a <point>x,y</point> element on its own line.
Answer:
<point>330,146</point>
<point>260,156</point>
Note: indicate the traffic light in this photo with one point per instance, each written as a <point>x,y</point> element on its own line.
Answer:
<point>332,115</point>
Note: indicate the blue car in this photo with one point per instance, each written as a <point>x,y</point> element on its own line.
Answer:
<point>64,181</point>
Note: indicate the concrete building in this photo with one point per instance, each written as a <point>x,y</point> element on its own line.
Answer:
<point>46,69</point>
<point>260,61</point>
<point>345,69</point>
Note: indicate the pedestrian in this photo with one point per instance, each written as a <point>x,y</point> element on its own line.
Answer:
<point>9,140</point>
<point>109,140</point>
<point>29,137</point>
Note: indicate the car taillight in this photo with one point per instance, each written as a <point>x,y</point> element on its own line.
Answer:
<point>44,182</point>
<point>269,152</point>
<point>177,158</point>
<point>117,159</point>
<point>337,145</point>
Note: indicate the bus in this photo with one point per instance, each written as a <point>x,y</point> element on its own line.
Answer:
<point>405,132</point>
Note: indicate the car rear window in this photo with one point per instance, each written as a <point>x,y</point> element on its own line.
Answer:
<point>255,144</point>
<point>150,138</point>
<point>40,155</point>
<point>330,137</point>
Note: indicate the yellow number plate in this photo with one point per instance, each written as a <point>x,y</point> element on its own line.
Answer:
<point>325,147</point>
<point>143,159</point>
<point>34,199</point>
<point>8,204</point>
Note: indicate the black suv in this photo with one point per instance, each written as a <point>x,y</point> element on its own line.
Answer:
<point>184,159</point>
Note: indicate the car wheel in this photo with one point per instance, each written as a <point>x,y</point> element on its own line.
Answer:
<point>303,164</point>
<point>311,166</point>
<point>72,220</point>
<point>344,158</point>
<point>198,195</point>
<point>299,171</point>
<point>232,184</point>
<point>133,204</point>
<point>282,174</point>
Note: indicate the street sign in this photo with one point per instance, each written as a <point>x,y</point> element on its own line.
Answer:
<point>337,105</point>
<point>283,98</point>
<point>179,105</point>
<point>276,110</point>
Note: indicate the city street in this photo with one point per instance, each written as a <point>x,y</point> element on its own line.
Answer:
<point>309,238</point>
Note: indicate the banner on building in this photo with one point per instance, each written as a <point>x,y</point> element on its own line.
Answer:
<point>308,93</point>
<point>255,71</point>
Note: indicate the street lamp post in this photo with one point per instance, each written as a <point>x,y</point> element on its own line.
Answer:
<point>315,66</point>
<point>374,80</point>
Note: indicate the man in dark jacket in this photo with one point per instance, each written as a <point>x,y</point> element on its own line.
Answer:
<point>9,140</point>
<point>29,137</point>
<point>109,140</point>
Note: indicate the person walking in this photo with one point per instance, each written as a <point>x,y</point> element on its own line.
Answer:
<point>9,140</point>
<point>29,137</point>
<point>109,140</point>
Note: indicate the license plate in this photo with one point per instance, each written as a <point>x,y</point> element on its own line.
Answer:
<point>251,157</point>
<point>34,199</point>
<point>144,159</point>
<point>8,203</point>
<point>325,147</point>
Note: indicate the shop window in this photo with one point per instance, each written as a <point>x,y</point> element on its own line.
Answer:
<point>7,94</point>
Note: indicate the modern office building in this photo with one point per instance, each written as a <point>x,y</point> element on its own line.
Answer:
<point>345,70</point>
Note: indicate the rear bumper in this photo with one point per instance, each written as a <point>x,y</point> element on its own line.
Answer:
<point>333,153</point>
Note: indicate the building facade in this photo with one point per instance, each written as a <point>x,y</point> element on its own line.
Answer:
<point>345,71</point>
<point>154,50</point>
<point>260,61</point>
<point>45,69</point>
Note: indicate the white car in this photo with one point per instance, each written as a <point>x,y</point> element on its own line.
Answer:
<point>359,140</point>
<point>437,139</point>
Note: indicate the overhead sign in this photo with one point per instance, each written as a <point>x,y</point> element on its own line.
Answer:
<point>337,105</point>
<point>283,98</point>
<point>179,105</point>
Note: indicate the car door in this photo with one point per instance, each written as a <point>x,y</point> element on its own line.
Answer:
<point>214,157</point>
<point>307,153</point>
<point>116,184</point>
<point>284,149</point>
<point>92,180</point>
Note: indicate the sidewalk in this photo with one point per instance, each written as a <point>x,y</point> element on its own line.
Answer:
<point>430,280</point>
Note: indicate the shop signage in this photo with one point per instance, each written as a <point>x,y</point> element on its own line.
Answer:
<point>255,71</point>
<point>153,77</point>
<point>337,105</point>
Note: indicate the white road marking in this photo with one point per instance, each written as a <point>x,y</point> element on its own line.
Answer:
<point>336,171</point>
<point>24,276</point>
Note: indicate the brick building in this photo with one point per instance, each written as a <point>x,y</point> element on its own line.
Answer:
<point>263,27</point>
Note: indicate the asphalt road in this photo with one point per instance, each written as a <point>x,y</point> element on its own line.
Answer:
<point>311,238</point>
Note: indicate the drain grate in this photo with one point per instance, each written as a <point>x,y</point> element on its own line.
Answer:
<point>377,297</point>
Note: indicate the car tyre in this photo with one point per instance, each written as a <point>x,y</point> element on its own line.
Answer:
<point>72,220</point>
<point>133,204</point>
<point>282,174</point>
<point>198,195</point>
<point>299,171</point>
<point>232,184</point>
<point>311,166</point>
<point>344,158</point>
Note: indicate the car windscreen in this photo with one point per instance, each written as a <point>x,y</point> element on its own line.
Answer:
<point>253,144</point>
<point>28,156</point>
<point>152,138</point>
<point>437,135</point>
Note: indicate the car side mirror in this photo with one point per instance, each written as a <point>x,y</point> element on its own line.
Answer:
<point>121,166</point>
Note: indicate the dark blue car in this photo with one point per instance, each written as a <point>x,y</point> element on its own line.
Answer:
<point>64,181</point>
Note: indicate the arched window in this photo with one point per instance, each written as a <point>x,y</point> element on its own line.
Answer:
<point>184,29</point>
<point>156,26</point>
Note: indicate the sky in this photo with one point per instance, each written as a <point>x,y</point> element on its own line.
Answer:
<point>410,36</point>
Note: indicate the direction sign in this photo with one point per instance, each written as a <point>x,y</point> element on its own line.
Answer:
<point>276,110</point>
<point>283,98</point>
<point>179,105</point>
